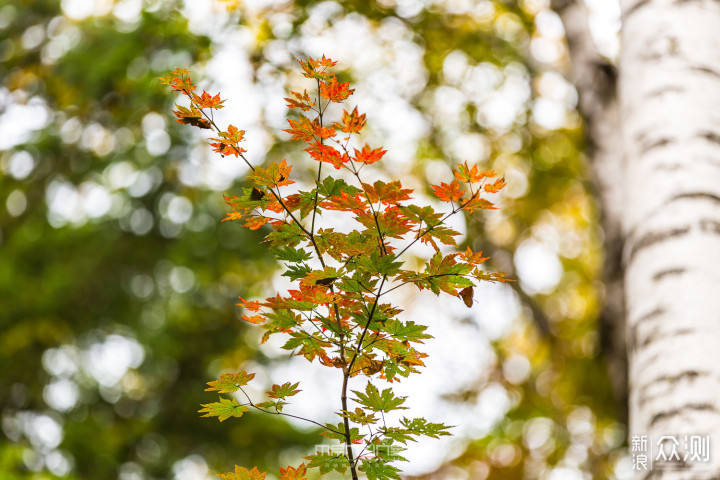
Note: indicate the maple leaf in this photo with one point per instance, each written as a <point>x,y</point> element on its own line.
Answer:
<point>232,134</point>
<point>303,102</point>
<point>310,345</point>
<point>474,258</point>
<point>448,193</point>
<point>420,426</point>
<point>352,122</point>
<point>407,331</point>
<point>444,234</point>
<point>230,382</point>
<point>496,186</point>
<point>336,432</point>
<point>346,203</point>
<point>254,319</point>
<point>254,222</point>
<point>445,274</point>
<point>379,402</point>
<point>286,235</point>
<point>178,72</point>
<point>477,202</point>
<point>274,175</point>
<point>225,149</point>
<point>467,174</point>
<point>328,154</point>
<point>223,409</point>
<point>291,473</point>
<point>376,469</point>
<point>391,222</point>
<point>208,101</point>
<point>191,116</point>
<point>177,81</point>
<point>359,416</point>
<point>328,463</point>
<point>311,67</point>
<point>301,129</point>
<point>284,390</point>
<point>368,155</point>
<point>252,306</point>
<point>242,473</point>
<point>334,90</point>
<point>387,193</point>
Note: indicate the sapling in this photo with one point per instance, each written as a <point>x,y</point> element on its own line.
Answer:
<point>336,313</point>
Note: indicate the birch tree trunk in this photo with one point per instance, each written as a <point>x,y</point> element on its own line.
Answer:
<point>670,109</point>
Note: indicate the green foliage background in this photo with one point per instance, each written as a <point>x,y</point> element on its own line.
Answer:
<point>72,286</point>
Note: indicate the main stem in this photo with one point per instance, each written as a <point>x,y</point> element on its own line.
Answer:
<point>346,369</point>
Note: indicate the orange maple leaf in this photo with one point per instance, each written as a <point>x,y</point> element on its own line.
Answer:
<point>496,186</point>
<point>208,101</point>
<point>368,155</point>
<point>334,90</point>
<point>352,122</point>
<point>448,193</point>
<point>293,474</point>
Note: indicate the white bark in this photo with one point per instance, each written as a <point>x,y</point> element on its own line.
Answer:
<point>670,108</point>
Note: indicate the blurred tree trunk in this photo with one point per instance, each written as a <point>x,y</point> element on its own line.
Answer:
<point>661,201</point>
<point>670,102</point>
<point>595,78</point>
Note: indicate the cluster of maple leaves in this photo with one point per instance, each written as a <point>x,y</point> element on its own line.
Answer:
<point>336,314</point>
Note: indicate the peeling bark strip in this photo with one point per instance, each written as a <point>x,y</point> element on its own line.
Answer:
<point>669,88</point>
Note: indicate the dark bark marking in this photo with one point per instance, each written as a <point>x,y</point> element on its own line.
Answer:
<point>689,375</point>
<point>656,143</point>
<point>669,272</point>
<point>652,238</point>
<point>656,335</point>
<point>713,137</point>
<point>697,196</point>
<point>633,334</point>
<point>706,70</point>
<point>699,407</point>
<point>710,226</point>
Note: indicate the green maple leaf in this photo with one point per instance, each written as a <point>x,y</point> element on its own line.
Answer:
<point>284,390</point>
<point>420,426</point>
<point>230,382</point>
<point>336,432</point>
<point>286,235</point>
<point>294,255</point>
<point>242,473</point>
<point>379,402</point>
<point>310,345</point>
<point>377,264</point>
<point>360,416</point>
<point>331,187</point>
<point>401,435</point>
<point>378,470</point>
<point>223,409</point>
<point>328,463</point>
<point>296,272</point>
<point>408,331</point>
